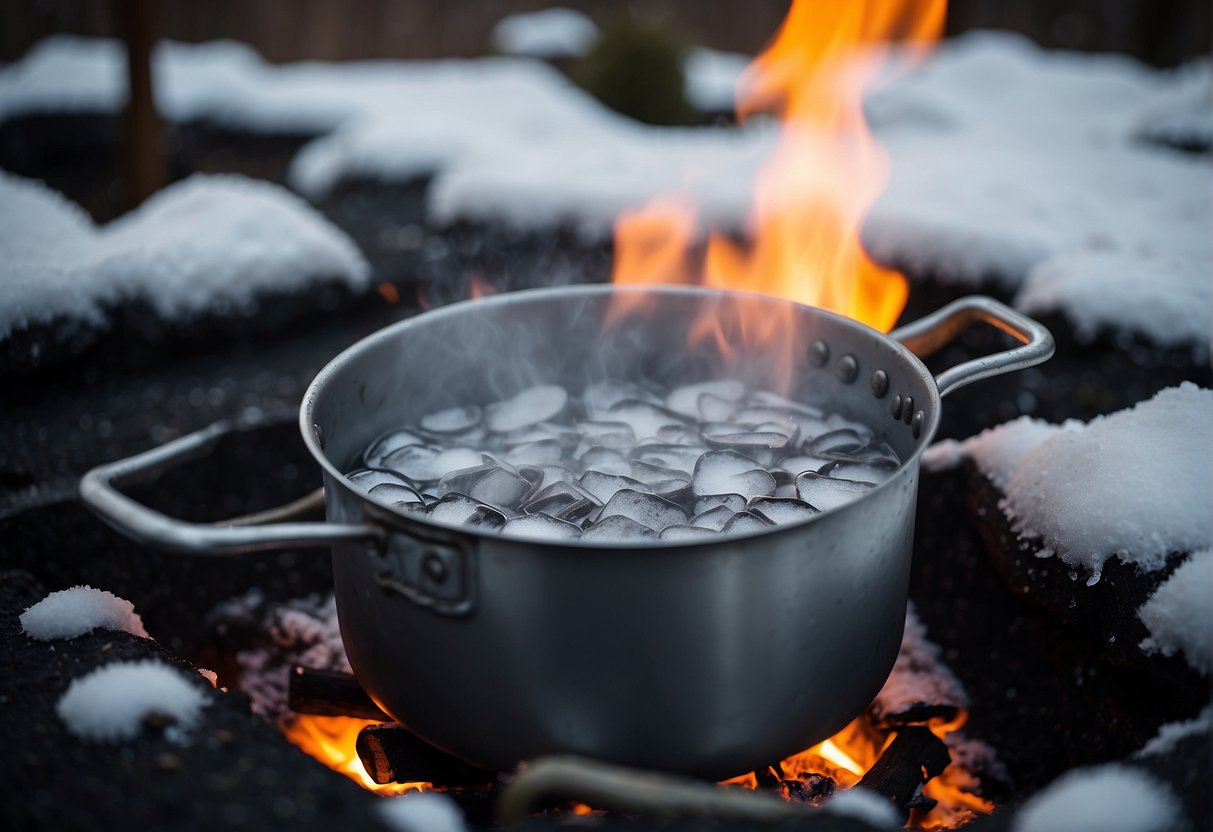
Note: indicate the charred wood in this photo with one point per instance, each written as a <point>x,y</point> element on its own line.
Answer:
<point>393,754</point>
<point>330,693</point>
<point>914,757</point>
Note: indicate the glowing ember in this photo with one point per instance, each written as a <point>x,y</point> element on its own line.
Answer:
<point>332,740</point>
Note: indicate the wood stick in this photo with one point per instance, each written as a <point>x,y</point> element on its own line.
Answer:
<point>329,693</point>
<point>393,754</point>
<point>914,757</point>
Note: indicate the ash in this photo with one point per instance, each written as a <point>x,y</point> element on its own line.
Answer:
<point>626,463</point>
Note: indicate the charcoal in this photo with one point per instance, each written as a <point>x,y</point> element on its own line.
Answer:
<point>367,478</point>
<point>746,442</point>
<point>499,487</point>
<point>416,462</point>
<point>391,441</point>
<point>874,471</point>
<point>645,418</point>
<point>734,502</point>
<point>826,493</point>
<point>542,452</point>
<point>648,473</point>
<point>451,420</point>
<point>646,509</point>
<point>607,461</point>
<point>392,493</point>
<point>728,472</point>
<point>780,511</point>
<point>456,509</point>
<point>843,440</point>
<point>712,408</point>
<point>533,405</point>
<point>685,399</point>
<point>617,529</point>
<point>679,457</point>
<point>714,518</point>
<point>541,527</point>
<point>602,486</point>
<point>613,435</point>
<point>600,397</point>
<point>686,533</point>
<point>746,522</point>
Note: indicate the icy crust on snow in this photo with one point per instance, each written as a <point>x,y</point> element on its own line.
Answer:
<point>111,703</point>
<point>1179,614</point>
<point>554,32</point>
<point>1174,732</point>
<point>71,613</point>
<point>1135,484</point>
<point>209,242</point>
<point>1108,798</point>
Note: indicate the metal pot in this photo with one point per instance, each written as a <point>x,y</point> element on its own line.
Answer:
<point>709,658</point>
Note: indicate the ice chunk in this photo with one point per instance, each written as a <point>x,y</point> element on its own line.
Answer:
<point>686,533</point>
<point>646,509</point>
<point>826,493</point>
<point>392,493</point>
<point>391,441</point>
<point>678,435</point>
<point>679,457</point>
<point>607,461</point>
<point>618,529</point>
<point>73,612</point>
<point>499,487</point>
<point>780,511</point>
<point>541,452</point>
<point>746,442</point>
<point>452,459</point>
<point>685,399</point>
<point>746,522</point>
<point>555,473</point>
<point>454,508</point>
<point>765,398</point>
<point>866,471</point>
<point>799,463</point>
<point>645,418</point>
<point>602,487</point>
<point>715,409</point>
<point>648,473</point>
<point>554,498</point>
<point>614,435</point>
<point>112,703</point>
<point>462,479</point>
<point>734,502</point>
<point>367,478</point>
<point>600,397</point>
<point>541,526</point>
<point>728,472</point>
<point>843,440</point>
<point>416,463</point>
<point>452,420</point>
<point>714,518</point>
<point>533,405</point>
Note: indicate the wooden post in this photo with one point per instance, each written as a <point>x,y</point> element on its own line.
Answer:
<point>144,163</point>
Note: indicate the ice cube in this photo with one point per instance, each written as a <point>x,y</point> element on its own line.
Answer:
<point>540,527</point>
<point>786,491</point>
<point>679,457</point>
<point>645,418</point>
<point>416,462</point>
<point>461,480</point>
<point>601,396</point>
<point>765,398</point>
<point>686,533</point>
<point>455,509</point>
<point>734,502</point>
<point>746,442</point>
<point>499,487</point>
<point>714,518</point>
<point>617,529</point>
<point>780,511</point>
<point>541,452</point>
<point>648,473</point>
<point>799,463</point>
<point>391,493</point>
<point>584,510</point>
<point>875,471</point>
<point>728,472</point>
<point>553,498</point>
<point>555,473</point>
<point>367,478</point>
<point>451,420</point>
<point>678,435</point>
<point>607,461</point>
<point>685,399</point>
<point>452,459</point>
<point>533,405</point>
<point>602,487</point>
<point>745,522</point>
<point>613,435</point>
<point>826,493</point>
<point>676,490</point>
<point>843,440</point>
<point>391,441</point>
<point>712,408</point>
<point>646,509</point>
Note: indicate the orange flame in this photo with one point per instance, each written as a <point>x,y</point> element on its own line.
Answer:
<point>331,740</point>
<point>812,194</point>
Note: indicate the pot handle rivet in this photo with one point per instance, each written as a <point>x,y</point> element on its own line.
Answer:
<point>896,408</point>
<point>907,409</point>
<point>435,567</point>
<point>819,353</point>
<point>847,369</point>
<point>880,383</point>
<point>916,423</point>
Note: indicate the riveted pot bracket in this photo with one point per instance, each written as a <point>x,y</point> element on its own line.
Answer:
<point>434,570</point>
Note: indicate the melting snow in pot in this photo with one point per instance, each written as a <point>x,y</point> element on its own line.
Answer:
<point>209,242</point>
<point>1179,615</point>
<point>111,703</point>
<point>1110,798</point>
<point>1134,484</point>
<point>551,33</point>
<point>74,612</point>
<point>865,805</point>
<point>422,812</point>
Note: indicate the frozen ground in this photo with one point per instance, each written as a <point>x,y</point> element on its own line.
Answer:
<point>1012,166</point>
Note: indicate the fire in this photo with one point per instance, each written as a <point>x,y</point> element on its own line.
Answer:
<point>812,194</point>
<point>331,740</point>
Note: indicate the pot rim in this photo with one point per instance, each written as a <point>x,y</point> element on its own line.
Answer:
<point>335,366</point>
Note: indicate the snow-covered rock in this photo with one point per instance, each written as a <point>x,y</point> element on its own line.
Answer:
<point>551,33</point>
<point>71,613</point>
<point>1174,732</point>
<point>111,703</point>
<point>1109,798</point>
<point>1179,615</point>
<point>209,242</point>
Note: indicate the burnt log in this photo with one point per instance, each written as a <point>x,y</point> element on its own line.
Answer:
<point>914,757</point>
<point>393,754</point>
<point>330,693</point>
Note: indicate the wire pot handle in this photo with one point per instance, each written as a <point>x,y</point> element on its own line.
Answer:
<point>99,491</point>
<point>929,334</point>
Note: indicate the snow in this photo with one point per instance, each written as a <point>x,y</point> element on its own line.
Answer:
<point>712,77</point>
<point>552,33</point>
<point>1108,798</point>
<point>422,812</point>
<point>209,242</point>
<point>919,676</point>
<point>111,703</point>
<point>1135,484</point>
<point>1174,732</point>
<point>1179,614</point>
<point>865,805</point>
<point>71,613</point>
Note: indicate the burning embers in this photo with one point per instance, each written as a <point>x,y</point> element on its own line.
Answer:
<point>626,463</point>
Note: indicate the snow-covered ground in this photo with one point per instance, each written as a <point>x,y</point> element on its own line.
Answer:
<point>111,703</point>
<point>1011,165</point>
<point>555,32</point>
<point>71,613</point>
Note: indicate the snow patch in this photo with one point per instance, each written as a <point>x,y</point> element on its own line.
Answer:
<point>422,812</point>
<point>918,677</point>
<point>1173,732</point>
<point>209,242</point>
<point>865,805</point>
<point>1109,798</point>
<point>712,77</point>
<point>71,613</point>
<point>111,703</point>
<point>1179,614</point>
<point>549,34</point>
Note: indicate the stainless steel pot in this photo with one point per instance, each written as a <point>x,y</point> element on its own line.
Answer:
<point>705,658</point>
